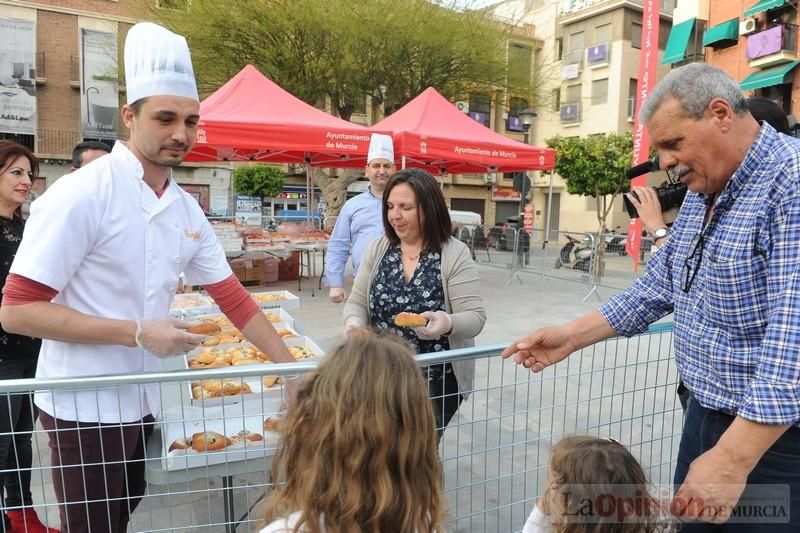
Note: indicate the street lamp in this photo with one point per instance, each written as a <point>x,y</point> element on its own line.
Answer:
<point>526,116</point>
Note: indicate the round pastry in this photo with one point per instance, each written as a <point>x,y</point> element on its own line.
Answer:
<point>269,381</point>
<point>409,320</point>
<point>180,444</point>
<point>205,357</point>
<point>208,441</point>
<point>211,341</point>
<point>204,328</point>
<point>246,361</point>
<point>199,392</point>
<point>249,435</point>
<point>272,423</point>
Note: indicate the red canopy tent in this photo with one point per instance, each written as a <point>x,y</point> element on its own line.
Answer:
<point>429,132</point>
<point>251,118</point>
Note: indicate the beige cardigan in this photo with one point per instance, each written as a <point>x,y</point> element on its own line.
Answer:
<point>462,299</point>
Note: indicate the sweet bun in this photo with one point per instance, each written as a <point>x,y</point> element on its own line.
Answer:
<point>249,435</point>
<point>409,320</point>
<point>205,328</point>
<point>180,444</point>
<point>272,423</point>
<point>208,441</point>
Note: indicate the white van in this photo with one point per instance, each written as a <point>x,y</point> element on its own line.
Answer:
<point>464,223</point>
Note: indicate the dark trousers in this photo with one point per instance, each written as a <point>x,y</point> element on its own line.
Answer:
<point>98,472</point>
<point>444,395</point>
<point>17,416</point>
<point>776,475</point>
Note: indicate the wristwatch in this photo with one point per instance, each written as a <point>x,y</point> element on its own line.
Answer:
<point>660,233</point>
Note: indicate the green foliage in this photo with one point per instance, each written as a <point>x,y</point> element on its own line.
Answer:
<point>594,166</point>
<point>345,50</point>
<point>263,181</point>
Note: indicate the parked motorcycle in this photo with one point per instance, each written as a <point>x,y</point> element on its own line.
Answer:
<point>574,255</point>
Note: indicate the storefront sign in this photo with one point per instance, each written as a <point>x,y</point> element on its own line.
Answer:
<point>99,85</point>
<point>505,194</point>
<point>17,76</point>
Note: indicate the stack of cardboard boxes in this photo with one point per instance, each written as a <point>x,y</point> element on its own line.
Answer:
<point>259,271</point>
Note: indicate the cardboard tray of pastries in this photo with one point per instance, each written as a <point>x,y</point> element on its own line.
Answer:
<point>194,437</point>
<point>274,299</point>
<point>191,304</point>
<point>211,392</point>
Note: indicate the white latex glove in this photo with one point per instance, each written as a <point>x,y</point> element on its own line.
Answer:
<point>337,295</point>
<point>166,337</point>
<point>439,323</point>
<point>351,325</point>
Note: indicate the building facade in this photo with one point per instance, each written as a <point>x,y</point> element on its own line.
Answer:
<point>755,41</point>
<point>589,65</point>
<point>61,80</point>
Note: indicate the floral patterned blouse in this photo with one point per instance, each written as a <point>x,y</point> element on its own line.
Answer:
<point>13,346</point>
<point>390,294</point>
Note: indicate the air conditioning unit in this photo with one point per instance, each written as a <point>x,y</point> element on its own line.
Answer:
<point>490,178</point>
<point>462,106</point>
<point>748,26</point>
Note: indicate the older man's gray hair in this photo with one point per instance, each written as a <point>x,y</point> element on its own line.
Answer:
<point>694,86</point>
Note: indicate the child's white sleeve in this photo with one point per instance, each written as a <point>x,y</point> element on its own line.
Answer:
<point>537,522</point>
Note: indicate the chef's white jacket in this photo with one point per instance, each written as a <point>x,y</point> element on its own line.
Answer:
<point>113,249</point>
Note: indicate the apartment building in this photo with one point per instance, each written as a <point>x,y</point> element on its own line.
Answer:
<point>589,64</point>
<point>60,74</point>
<point>755,41</point>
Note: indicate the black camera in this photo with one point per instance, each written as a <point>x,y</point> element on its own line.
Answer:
<point>669,195</point>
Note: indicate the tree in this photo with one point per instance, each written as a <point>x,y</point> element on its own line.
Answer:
<point>595,166</point>
<point>263,181</point>
<point>346,50</point>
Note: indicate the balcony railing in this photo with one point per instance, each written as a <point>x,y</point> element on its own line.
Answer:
<point>570,113</point>
<point>597,54</point>
<point>774,40</point>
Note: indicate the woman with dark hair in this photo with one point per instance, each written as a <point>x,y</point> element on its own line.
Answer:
<point>18,353</point>
<point>418,267</point>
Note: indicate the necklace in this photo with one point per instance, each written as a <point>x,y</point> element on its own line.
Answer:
<point>409,256</point>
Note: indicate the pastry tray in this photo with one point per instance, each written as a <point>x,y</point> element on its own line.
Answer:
<point>229,420</point>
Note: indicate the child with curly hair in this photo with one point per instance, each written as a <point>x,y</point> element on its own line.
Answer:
<point>358,450</point>
<point>595,486</point>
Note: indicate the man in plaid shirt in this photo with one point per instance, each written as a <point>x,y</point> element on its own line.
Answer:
<point>730,273</point>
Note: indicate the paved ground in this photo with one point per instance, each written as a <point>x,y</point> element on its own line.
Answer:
<point>495,450</point>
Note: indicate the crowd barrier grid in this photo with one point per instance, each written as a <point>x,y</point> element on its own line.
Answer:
<point>494,451</point>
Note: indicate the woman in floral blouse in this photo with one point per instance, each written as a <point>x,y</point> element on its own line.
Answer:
<point>18,354</point>
<point>418,267</point>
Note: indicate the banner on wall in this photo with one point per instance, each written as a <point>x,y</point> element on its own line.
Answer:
<point>17,76</point>
<point>99,85</point>
<point>648,60</point>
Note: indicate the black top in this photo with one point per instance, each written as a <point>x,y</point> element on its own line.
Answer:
<point>390,294</point>
<point>13,346</point>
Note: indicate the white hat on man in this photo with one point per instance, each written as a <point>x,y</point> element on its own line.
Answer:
<point>380,147</point>
<point>157,63</point>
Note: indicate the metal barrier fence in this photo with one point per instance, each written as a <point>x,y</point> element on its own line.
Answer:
<point>494,451</point>
<point>572,256</point>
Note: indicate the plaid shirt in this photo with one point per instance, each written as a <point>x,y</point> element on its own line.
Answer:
<point>737,330</point>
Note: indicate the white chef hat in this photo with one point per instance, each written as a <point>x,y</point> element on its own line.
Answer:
<point>380,147</point>
<point>157,63</point>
